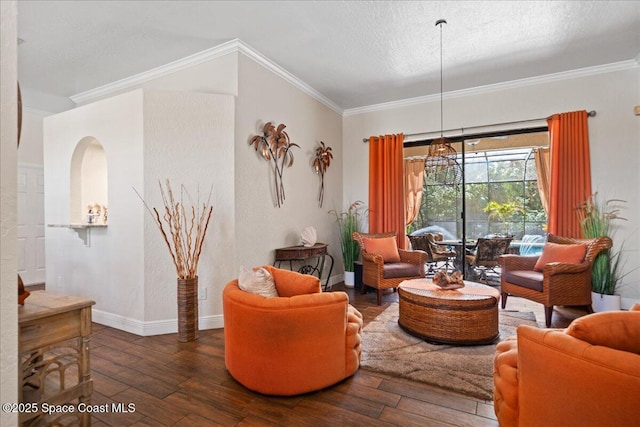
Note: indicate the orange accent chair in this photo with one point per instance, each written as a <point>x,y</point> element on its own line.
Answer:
<point>558,283</point>
<point>384,266</point>
<point>587,375</point>
<point>290,345</point>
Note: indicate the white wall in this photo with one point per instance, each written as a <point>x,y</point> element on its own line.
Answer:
<point>264,97</point>
<point>147,136</point>
<point>110,270</point>
<point>8,211</point>
<point>614,137</point>
<point>30,151</point>
<point>189,139</point>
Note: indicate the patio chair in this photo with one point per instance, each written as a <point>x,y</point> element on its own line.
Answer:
<point>421,243</point>
<point>486,254</point>
<point>440,252</point>
<point>384,266</point>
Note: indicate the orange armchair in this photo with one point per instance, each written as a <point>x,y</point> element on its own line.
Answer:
<point>389,266</point>
<point>290,345</point>
<point>558,284</point>
<point>587,375</point>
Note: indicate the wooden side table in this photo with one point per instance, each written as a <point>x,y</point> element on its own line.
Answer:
<point>53,345</point>
<point>304,254</point>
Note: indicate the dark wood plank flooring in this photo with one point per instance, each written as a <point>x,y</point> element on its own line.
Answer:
<point>186,384</point>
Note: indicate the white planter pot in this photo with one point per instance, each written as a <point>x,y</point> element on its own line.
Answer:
<point>601,302</point>
<point>349,279</point>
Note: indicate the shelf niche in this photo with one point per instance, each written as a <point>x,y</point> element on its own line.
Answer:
<point>89,180</point>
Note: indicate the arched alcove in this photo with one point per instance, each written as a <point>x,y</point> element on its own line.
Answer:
<point>89,183</point>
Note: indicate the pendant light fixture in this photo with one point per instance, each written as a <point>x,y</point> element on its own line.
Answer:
<point>441,162</point>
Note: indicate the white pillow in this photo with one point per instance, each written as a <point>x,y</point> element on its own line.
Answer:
<point>259,282</point>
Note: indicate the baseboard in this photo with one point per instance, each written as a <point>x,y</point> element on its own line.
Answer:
<point>156,327</point>
<point>335,279</point>
<point>627,303</point>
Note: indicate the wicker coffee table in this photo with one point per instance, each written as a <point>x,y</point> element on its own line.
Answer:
<point>464,316</point>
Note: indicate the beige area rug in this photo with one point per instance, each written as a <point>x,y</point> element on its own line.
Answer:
<point>388,349</point>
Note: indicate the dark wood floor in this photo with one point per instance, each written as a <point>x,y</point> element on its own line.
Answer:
<point>186,384</point>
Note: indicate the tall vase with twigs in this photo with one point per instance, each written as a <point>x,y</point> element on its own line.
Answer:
<point>183,230</point>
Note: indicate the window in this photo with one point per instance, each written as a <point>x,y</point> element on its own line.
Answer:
<point>501,191</point>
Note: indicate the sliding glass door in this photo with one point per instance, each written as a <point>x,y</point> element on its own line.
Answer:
<point>498,196</point>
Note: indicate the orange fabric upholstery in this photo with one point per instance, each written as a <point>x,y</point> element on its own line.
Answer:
<point>549,377</point>
<point>290,345</point>
<point>291,283</point>
<point>614,329</point>
<point>386,247</point>
<point>554,252</point>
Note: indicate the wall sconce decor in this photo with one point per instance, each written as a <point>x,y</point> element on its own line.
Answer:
<point>274,144</point>
<point>321,163</point>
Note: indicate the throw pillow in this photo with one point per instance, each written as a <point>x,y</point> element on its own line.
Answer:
<point>386,247</point>
<point>614,329</point>
<point>259,282</point>
<point>555,252</point>
<point>291,283</point>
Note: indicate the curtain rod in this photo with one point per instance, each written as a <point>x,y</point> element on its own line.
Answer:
<point>591,113</point>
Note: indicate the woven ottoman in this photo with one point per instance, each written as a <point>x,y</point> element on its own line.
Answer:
<point>464,316</point>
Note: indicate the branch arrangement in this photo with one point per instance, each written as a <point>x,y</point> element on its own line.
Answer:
<point>183,229</point>
<point>321,163</point>
<point>274,144</point>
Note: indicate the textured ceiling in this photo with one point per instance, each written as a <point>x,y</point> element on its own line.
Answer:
<point>356,53</point>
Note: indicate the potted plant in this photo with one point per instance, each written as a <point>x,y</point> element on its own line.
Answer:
<point>502,212</point>
<point>597,219</point>
<point>348,222</point>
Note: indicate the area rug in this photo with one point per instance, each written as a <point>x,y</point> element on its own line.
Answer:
<point>388,349</point>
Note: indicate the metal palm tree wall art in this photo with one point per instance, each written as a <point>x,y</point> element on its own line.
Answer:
<point>274,144</point>
<point>321,163</point>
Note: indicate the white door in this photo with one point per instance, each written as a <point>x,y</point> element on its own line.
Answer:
<point>31,265</point>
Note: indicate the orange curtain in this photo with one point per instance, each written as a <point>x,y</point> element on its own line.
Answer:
<point>413,182</point>
<point>570,171</point>
<point>386,188</point>
<point>543,170</point>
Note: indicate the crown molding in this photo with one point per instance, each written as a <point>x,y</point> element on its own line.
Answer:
<point>37,112</point>
<point>530,81</point>
<point>232,46</point>
<point>132,81</point>
<point>287,76</point>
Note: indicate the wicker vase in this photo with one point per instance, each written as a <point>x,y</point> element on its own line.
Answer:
<point>188,309</point>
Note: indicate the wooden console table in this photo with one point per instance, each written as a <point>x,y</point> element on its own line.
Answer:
<point>53,344</point>
<point>303,254</point>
